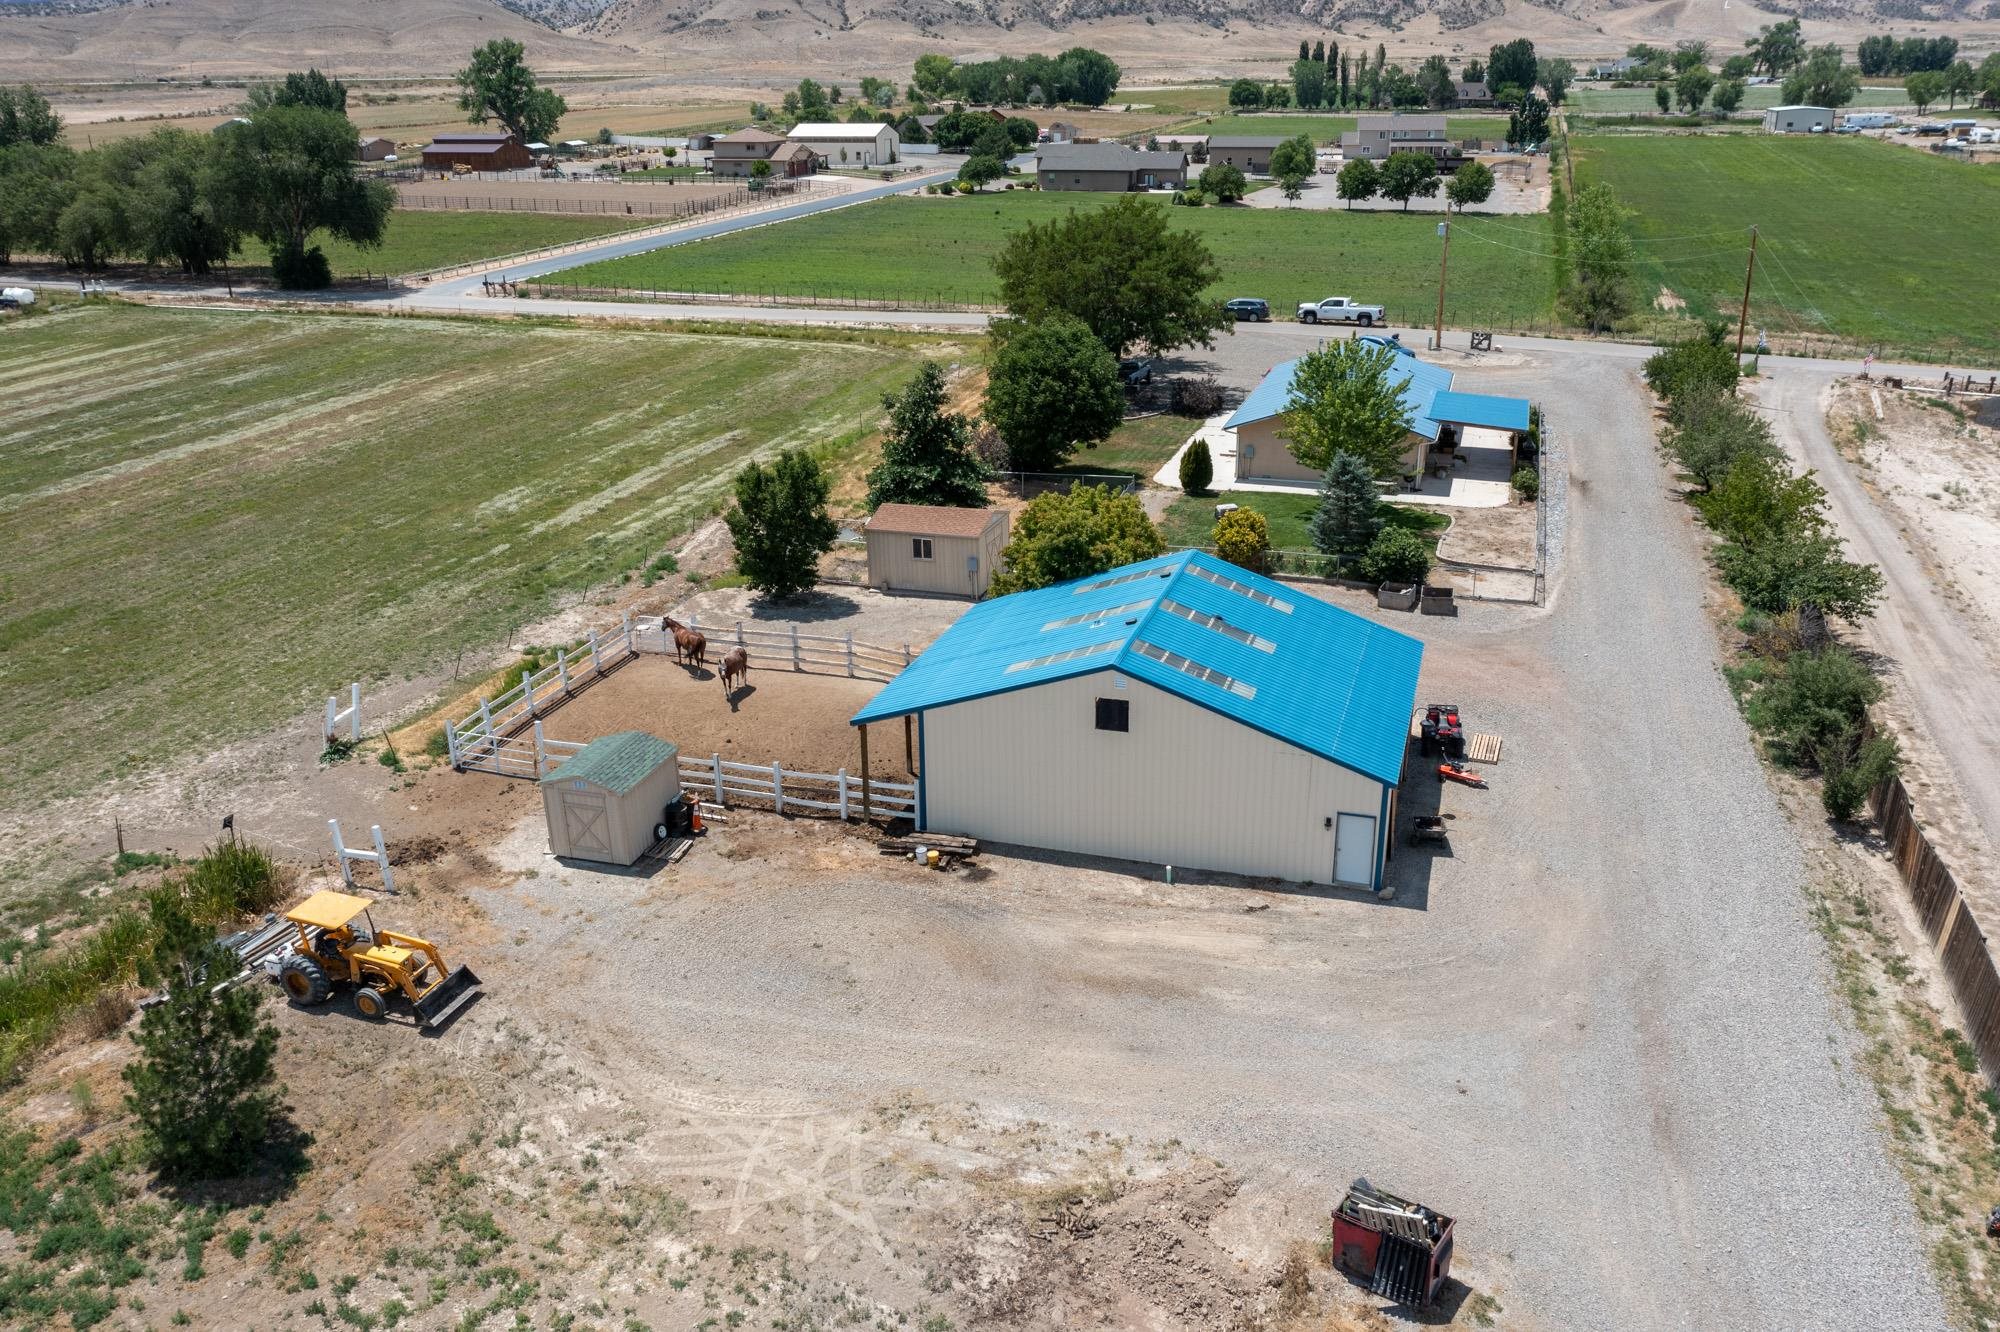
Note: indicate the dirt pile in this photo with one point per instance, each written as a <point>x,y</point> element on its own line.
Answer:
<point>1136,1255</point>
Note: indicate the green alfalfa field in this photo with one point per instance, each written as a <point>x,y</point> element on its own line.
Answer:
<point>217,518</point>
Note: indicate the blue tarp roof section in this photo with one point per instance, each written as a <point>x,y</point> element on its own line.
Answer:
<point>1338,685</point>
<point>1422,383</point>
<point>1481,409</point>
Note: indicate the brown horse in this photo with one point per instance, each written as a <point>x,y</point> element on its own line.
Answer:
<point>735,666</point>
<point>690,648</point>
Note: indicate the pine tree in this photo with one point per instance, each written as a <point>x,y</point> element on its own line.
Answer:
<point>928,457</point>
<point>204,1087</point>
<point>1347,518</point>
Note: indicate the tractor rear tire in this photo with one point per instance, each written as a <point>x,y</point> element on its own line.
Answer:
<point>371,1003</point>
<point>305,980</point>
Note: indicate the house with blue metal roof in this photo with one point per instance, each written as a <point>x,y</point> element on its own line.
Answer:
<point>1437,414</point>
<point>1179,711</point>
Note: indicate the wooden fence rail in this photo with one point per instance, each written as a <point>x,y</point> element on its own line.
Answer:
<point>1947,918</point>
<point>844,794</point>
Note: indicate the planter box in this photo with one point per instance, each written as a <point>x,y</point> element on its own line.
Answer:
<point>1396,596</point>
<point>1437,601</point>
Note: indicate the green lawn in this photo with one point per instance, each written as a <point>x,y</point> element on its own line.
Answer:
<point>1190,520</point>
<point>1139,447</point>
<point>246,511</point>
<point>1620,101</point>
<point>418,240</point>
<point>1327,128</point>
<point>1868,241</point>
<point>940,249</point>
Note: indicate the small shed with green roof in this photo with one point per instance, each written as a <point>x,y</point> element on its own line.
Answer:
<point>607,800</point>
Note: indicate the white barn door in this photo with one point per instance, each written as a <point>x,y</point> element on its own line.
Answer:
<point>1354,850</point>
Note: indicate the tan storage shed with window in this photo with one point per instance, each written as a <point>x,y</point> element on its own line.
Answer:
<point>605,803</point>
<point>930,548</point>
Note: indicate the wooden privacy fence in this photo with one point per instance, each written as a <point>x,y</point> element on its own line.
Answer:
<point>476,740</point>
<point>842,793</point>
<point>768,648</point>
<point>1947,918</point>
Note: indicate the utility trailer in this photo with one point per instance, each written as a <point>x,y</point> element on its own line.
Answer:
<point>1400,1248</point>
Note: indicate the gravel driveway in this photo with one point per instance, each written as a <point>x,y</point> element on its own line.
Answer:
<point>1602,1031</point>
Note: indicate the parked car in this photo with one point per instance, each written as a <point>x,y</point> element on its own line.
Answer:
<point>1250,308</point>
<point>1134,372</point>
<point>1339,310</point>
<point>1847,129</point>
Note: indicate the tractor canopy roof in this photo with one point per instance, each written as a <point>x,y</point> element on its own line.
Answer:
<point>328,910</point>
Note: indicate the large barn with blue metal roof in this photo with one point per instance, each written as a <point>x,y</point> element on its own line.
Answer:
<point>1180,711</point>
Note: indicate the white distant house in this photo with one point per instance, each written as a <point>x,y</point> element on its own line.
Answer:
<point>1799,119</point>
<point>849,145</point>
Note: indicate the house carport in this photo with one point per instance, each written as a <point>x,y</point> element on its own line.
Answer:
<point>1484,411</point>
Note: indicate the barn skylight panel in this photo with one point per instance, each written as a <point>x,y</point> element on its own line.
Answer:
<point>1113,613</point>
<point>1056,658</point>
<point>1220,625</point>
<point>1265,598</point>
<point>1194,668</point>
<point>1126,578</point>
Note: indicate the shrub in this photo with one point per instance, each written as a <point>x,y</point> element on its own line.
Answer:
<point>1197,468</point>
<point>1243,538</point>
<point>1815,706</point>
<point>1396,556</point>
<point>1196,397</point>
<point>1851,770</point>
<point>1686,367</point>
<point>1527,483</point>
<point>301,270</point>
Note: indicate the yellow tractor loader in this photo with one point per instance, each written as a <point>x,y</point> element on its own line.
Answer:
<point>339,947</point>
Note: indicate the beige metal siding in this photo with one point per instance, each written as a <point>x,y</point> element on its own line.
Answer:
<point>1185,786</point>
<point>1105,182</point>
<point>1263,455</point>
<point>894,567</point>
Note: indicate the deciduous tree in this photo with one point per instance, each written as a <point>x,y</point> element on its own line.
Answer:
<point>1121,269</point>
<point>1063,536</point>
<point>1777,48</point>
<point>1435,82</point>
<point>780,524</point>
<point>1296,156</point>
<point>1222,182</point>
<point>1597,290</point>
<point>1246,94</point>
<point>311,88</point>
<point>1345,398</point>
<point>289,174</point>
<point>498,85</point>
<point>1728,96</point>
<point>1053,386</point>
<point>1691,89</point>
<point>1825,79</point>
<point>26,117</point>
<point>1358,181</point>
<point>1511,68</point>
<point>1555,76</point>
<point>1470,184</point>
<point>1406,176</point>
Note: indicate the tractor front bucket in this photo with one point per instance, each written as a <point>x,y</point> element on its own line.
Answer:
<point>439,1003</point>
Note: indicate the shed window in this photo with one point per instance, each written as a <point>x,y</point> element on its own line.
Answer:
<point>1114,714</point>
<point>920,548</point>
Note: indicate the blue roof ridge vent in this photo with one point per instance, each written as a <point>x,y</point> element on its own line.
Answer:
<point>1331,682</point>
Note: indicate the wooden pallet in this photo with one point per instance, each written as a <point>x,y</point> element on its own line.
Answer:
<point>1482,748</point>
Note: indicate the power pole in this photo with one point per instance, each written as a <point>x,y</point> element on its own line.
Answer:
<point>1444,262</point>
<point>1743,319</point>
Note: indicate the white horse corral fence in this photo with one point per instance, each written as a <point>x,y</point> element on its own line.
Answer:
<point>842,793</point>
<point>351,714</point>
<point>347,855</point>
<point>490,739</point>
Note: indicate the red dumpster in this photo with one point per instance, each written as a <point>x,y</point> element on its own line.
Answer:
<point>1401,1249</point>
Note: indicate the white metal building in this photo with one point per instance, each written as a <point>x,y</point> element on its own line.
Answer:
<point>1799,119</point>
<point>849,145</point>
<point>1180,711</point>
<point>606,801</point>
<point>931,548</point>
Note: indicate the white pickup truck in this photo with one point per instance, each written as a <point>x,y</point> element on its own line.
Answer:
<point>1339,310</point>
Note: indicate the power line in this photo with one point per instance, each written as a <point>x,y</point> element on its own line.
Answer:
<point>1634,262</point>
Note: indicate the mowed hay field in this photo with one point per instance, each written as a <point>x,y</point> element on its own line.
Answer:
<point>215,519</point>
<point>1869,242</point>
<point>941,249</point>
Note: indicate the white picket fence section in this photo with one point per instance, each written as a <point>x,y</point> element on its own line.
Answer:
<point>483,734</point>
<point>787,648</point>
<point>351,714</point>
<point>722,782</point>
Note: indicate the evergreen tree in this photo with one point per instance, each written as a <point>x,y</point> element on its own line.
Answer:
<point>1197,468</point>
<point>1318,52</point>
<point>1347,518</point>
<point>780,524</point>
<point>1305,49</point>
<point>204,1087</point>
<point>928,457</point>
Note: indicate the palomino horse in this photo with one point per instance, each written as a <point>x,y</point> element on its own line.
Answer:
<point>735,666</point>
<point>690,648</point>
